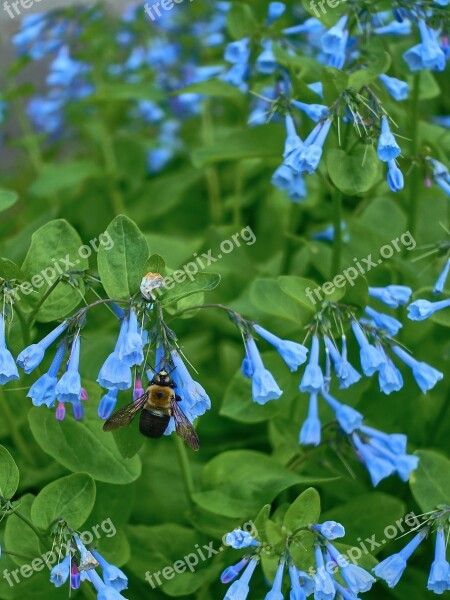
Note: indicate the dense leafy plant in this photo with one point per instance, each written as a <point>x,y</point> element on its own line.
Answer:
<point>238,195</point>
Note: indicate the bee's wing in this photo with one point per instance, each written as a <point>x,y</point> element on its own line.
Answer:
<point>125,415</point>
<point>184,427</point>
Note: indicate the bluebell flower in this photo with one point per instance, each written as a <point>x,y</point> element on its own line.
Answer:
<point>395,178</point>
<point>107,404</point>
<point>335,39</point>
<point>75,576</point>
<point>425,375</point>
<point>293,142</point>
<point>306,582</point>
<point>331,530</point>
<point>439,578</point>
<point>428,54</point>
<point>383,321</point>
<point>194,396</point>
<point>230,573</point>
<point>422,309</point>
<point>404,464</point>
<point>311,25</point>
<point>131,350</point>
<point>292,353</point>
<point>371,358</point>
<point>324,588</point>
<point>391,295</point>
<point>266,63</point>
<point>327,234</point>
<point>347,375</point>
<point>8,368</point>
<point>104,592</point>
<point>60,411</point>
<point>398,89</point>
<point>388,149</point>
<point>357,579</point>
<point>307,159</point>
<point>296,592</point>
<point>316,112</point>
<point>115,374</point>
<point>275,592</point>
<point>441,175</point>
<point>389,377</point>
<point>237,52</point>
<point>238,539</point>
<point>77,411</point>
<point>46,113</point>
<point>240,589</point>
<point>312,380</point>
<point>394,28</point>
<point>379,468</point>
<point>31,357</point>
<point>247,368</point>
<point>112,575</point>
<point>64,70</point>
<point>391,569</point>
<point>87,561</point>
<point>310,433</point>
<point>138,390</point>
<point>440,283</point>
<point>264,386</point>
<point>396,442</point>
<point>60,572</point>
<point>348,418</point>
<point>276,10</point>
<point>150,111</point>
<point>68,388</point>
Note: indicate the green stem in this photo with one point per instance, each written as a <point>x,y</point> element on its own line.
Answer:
<point>14,431</point>
<point>111,165</point>
<point>337,243</point>
<point>185,469</point>
<point>31,525</point>
<point>414,180</point>
<point>212,176</point>
<point>32,315</point>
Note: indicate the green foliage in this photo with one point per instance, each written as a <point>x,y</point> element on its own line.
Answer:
<point>9,475</point>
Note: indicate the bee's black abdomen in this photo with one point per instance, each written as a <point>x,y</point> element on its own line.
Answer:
<point>152,424</point>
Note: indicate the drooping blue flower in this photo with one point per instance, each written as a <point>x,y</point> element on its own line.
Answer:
<point>68,388</point>
<point>371,358</point>
<point>428,54</point>
<point>264,386</point>
<point>46,113</point>
<point>293,142</point>
<point>395,178</point>
<point>331,530</point>
<point>357,579</point>
<point>440,283</point>
<point>308,158</point>
<point>75,576</point>
<point>396,442</point>
<point>104,592</point>
<point>87,561</point>
<point>230,573</point>
<point>335,39</point>
<point>312,380</point>
<point>316,112</point>
<point>276,10</point>
<point>441,175</point>
<point>8,367</point>
<point>392,295</point>
<point>296,592</point>
<point>348,418</point>
<point>31,357</point>
<point>107,404</point>
<point>391,569</point>
<point>77,411</point>
<point>131,351</point>
<point>345,372</point>
<point>266,62</point>
<point>275,592</point>
<point>43,390</point>
<point>398,89</point>
<point>240,589</point>
<point>422,309</point>
<point>112,575</point>
<point>388,149</point>
<point>383,321</point>
<point>306,582</point>
<point>324,588</point>
<point>379,468</point>
<point>425,375</point>
<point>389,377</point>
<point>195,398</point>
<point>237,52</point>
<point>292,353</point>
<point>310,433</point>
<point>115,374</point>
<point>60,572</point>
<point>238,539</point>
<point>394,28</point>
<point>439,578</point>
<point>311,25</point>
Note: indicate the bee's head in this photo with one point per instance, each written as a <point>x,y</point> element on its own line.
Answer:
<point>162,378</point>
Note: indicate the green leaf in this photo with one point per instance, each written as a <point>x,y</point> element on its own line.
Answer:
<point>267,295</point>
<point>355,173</point>
<point>430,482</point>
<point>428,86</point>
<point>18,535</point>
<point>54,249</point>
<point>240,21</point>
<point>334,83</point>
<point>70,498</point>
<point>9,270</point>
<point>264,141</point>
<point>297,288</point>
<point>122,267</point>
<point>304,511</point>
<point>215,88</point>
<point>7,199</point>
<point>9,475</point>
<point>59,177</point>
<point>202,282</point>
<point>155,264</point>
<point>366,76</point>
<point>83,445</point>
<point>121,92</point>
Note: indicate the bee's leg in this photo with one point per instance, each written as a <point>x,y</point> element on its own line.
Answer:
<point>178,398</point>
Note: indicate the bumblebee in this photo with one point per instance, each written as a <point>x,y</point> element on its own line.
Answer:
<point>157,405</point>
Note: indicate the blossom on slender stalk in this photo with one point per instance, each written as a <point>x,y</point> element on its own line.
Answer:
<point>104,592</point>
<point>331,530</point>
<point>266,63</point>
<point>440,283</point>
<point>312,380</point>
<point>275,591</point>
<point>31,357</point>
<point>324,588</point>
<point>425,375</point>
<point>195,398</point>
<point>292,353</point>
<point>310,433</point>
<point>68,388</point>
<point>388,149</point>
<point>439,578</point>
<point>131,350</point>
<point>399,90</point>
<point>395,177</point>
<point>348,418</point>
<point>240,589</point>
<point>383,321</point>
<point>43,390</point>
<point>335,39</point>
<point>316,112</point>
<point>422,309</point>
<point>238,539</point>
<point>107,404</point>
<point>115,374</point>
<point>347,375</point>
<point>8,368</point>
<point>389,377</point>
<point>357,579</point>
<point>112,575</point>
<point>392,295</point>
<point>428,54</point>
<point>391,569</point>
<point>230,573</point>
<point>275,11</point>
<point>60,572</point>
<point>264,386</point>
<point>370,356</point>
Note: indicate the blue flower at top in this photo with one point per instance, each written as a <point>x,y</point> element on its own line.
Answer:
<point>388,149</point>
<point>428,54</point>
<point>238,539</point>
<point>237,52</point>
<point>371,358</point>
<point>68,388</point>
<point>422,309</point>
<point>391,569</point>
<point>331,530</point>
<point>31,357</point>
<point>292,353</point>
<point>8,368</point>
<point>276,10</point>
<point>316,112</point>
<point>264,386</point>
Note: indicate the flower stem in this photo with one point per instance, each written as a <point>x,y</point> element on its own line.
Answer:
<point>31,525</point>
<point>337,242</point>
<point>185,469</point>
